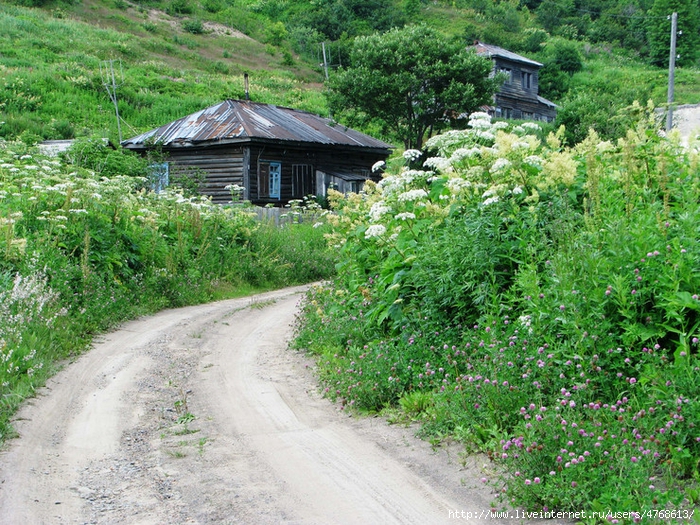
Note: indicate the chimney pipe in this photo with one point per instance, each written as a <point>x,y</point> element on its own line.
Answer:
<point>245,80</point>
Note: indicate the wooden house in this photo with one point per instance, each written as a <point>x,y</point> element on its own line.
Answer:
<point>276,154</point>
<point>518,96</point>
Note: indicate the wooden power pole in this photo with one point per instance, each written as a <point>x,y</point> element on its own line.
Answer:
<point>671,71</point>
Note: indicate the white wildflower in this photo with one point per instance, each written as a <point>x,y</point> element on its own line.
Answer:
<point>405,216</point>
<point>500,165</point>
<point>411,154</point>
<point>490,200</point>
<point>412,195</point>
<point>480,119</point>
<point>517,190</point>
<point>375,230</point>
<point>463,153</point>
<point>456,185</point>
<point>520,144</point>
<point>486,135</point>
<point>534,160</point>
<point>531,125</point>
<point>25,157</point>
<point>438,163</point>
<point>501,124</point>
<point>378,166</point>
<point>377,210</point>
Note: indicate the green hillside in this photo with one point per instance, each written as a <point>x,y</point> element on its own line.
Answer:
<point>53,63</point>
<point>172,57</point>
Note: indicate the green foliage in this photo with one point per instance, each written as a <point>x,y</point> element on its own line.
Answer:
<point>193,26</point>
<point>179,7</point>
<point>84,245</point>
<point>564,55</point>
<point>659,31</point>
<point>540,302</point>
<point>52,86</point>
<point>407,80</point>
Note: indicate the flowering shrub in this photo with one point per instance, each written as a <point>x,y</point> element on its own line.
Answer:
<point>81,252</point>
<point>540,302</point>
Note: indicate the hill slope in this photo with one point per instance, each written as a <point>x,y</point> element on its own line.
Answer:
<point>54,70</point>
<point>175,57</point>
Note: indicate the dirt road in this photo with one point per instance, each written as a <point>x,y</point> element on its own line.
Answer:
<point>202,415</point>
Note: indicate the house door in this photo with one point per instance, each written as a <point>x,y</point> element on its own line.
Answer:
<point>269,180</point>
<point>275,179</point>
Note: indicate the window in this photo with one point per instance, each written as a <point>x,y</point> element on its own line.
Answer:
<point>526,80</point>
<point>159,176</point>
<point>356,186</point>
<point>303,180</point>
<point>269,180</point>
<point>508,72</point>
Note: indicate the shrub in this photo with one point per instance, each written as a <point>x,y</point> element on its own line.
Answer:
<point>538,302</point>
<point>193,26</point>
<point>84,247</point>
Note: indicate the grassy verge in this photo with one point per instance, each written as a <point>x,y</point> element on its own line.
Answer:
<point>80,253</point>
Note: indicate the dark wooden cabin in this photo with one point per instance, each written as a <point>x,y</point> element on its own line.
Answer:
<point>276,154</point>
<point>518,96</point>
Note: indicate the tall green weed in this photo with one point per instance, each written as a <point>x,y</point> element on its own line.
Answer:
<point>538,302</point>
<point>81,251</point>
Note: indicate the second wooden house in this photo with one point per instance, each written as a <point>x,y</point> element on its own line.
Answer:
<point>275,153</point>
<point>518,97</point>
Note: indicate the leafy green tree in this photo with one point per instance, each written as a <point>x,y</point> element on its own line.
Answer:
<point>659,31</point>
<point>565,55</point>
<point>410,82</point>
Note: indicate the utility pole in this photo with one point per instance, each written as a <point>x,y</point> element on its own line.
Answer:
<point>110,83</point>
<point>671,71</point>
<point>325,61</point>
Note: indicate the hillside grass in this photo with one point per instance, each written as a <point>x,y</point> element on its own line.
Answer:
<point>53,86</point>
<point>174,58</point>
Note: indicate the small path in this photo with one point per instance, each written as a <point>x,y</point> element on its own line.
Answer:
<point>202,415</point>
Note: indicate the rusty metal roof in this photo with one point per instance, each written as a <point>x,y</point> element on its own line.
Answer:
<point>234,121</point>
<point>489,51</point>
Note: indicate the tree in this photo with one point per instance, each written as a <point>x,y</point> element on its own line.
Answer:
<point>410,82</point>
<point>659,31</point>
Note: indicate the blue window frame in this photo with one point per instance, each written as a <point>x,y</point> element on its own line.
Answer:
<point>159,176</point>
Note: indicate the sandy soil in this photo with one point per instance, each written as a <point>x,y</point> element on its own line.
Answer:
<point>255,442</point>
<point>687,119</point>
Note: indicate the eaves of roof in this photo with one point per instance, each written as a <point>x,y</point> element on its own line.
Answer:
<point>236,121</point>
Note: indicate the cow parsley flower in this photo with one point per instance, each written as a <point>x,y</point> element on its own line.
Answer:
<point>534,160</point>
<point>499,165</point>
<point>438,163</point>
<point>411,154</point>
<point>486,135</point>
<point>375,230</point>
<point>412,195</point>
<point>378,166</point>
<point>462,153</point>
<point>377,210</point>
<point>405,216</point>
